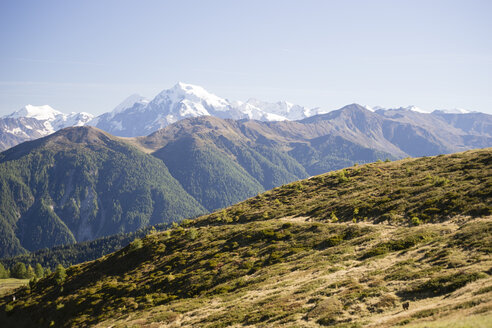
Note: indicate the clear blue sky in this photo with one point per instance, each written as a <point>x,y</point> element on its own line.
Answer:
<point>90,55</point>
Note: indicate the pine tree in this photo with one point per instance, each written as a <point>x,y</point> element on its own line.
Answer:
<point>3,272</point>
<point>30,272</point>
<point>38,269</point>
<point>60,274</point>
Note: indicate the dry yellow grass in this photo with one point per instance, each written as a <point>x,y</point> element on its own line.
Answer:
<point>7,285</point>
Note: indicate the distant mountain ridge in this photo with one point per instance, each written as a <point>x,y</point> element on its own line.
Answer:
<point>32,122</point>
<point>139,116</point>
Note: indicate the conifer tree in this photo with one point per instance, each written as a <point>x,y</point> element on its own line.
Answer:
<point>60,274</point>
<point>3,272</point>
<point>30,272</point>
<point>19,271</point>
<point>39,271</point>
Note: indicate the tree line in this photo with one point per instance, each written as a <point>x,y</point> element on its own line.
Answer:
<point>20,271</point>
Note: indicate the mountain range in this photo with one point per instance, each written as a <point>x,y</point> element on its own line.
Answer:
<point>201,153</point>
<point>81,183</point>
<point>138,116</point>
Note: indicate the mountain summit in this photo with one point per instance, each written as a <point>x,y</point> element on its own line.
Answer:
<point>52,119</point>
<point>32,122</point>
<point>138,117</point>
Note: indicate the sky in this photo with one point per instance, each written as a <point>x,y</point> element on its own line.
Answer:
<point>90,55</point>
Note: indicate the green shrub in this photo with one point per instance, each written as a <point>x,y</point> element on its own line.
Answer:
<point>342,177</point>
<point>375,251</point>
<point>136,244</point>
<point>330,242</point>
<point>333,217</point>
<point>192,234</point>
<point>328,311</point>
<point>415,221</point>
<point>445,284</point>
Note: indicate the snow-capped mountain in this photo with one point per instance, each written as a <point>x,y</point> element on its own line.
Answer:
<point>137,116</point>
<point>410,108</point>
<point>454,111</point>
<point>52,119</point>
<point>32,122</point>
<point>278,111</point>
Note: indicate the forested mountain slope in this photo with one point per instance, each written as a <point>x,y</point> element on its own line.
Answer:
<point>79,184</point>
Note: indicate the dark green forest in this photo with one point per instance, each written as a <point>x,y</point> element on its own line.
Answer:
<point>72,254</point>
<point>80,184</point>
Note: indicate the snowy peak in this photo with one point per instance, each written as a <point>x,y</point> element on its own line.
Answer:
<point>415,109</point>
<point>453,111</point>
<point>72,119</point>
<point>410,108</point>
<point>190,94</point>
<point>185,100</point>
<point>41,113</point>
<point>130,102</point>
<point>48,114</point>
<point>284,110</point>
<point>51,119</point>
<point>32,122</point>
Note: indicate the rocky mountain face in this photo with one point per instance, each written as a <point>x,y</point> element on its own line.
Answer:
<point>329,141</point>
<point>14,131</point>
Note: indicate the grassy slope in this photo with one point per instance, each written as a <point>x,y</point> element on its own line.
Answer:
<point>283,259</point>
<point>10,284</point>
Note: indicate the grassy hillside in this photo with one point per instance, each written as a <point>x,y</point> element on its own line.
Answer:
<point>409,191</point>
<point>79,184</point>
<point>10,284</point>
<point>345,249</point>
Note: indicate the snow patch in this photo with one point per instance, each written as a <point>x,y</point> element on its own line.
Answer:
<point>454,111</point>
<point>41,113</point>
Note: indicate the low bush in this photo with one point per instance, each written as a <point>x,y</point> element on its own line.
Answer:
<point>443,284</point>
